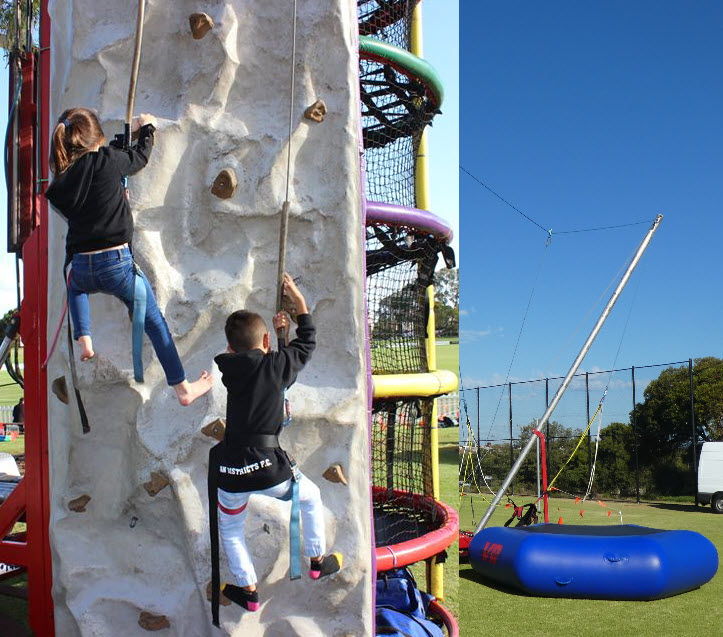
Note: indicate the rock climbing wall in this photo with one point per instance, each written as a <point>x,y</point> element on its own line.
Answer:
<point>129,530</point>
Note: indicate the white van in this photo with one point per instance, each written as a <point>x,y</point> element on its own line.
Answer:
<point>710,475</point>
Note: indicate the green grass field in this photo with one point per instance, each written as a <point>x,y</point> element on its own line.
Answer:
<point>448,357</point>
<point>492,611</point>
<point>10,391</point>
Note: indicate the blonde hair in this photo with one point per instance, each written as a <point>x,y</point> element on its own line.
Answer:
<point>76,133</point>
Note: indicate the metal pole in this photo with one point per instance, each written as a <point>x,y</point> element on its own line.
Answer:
<point>512,452</point>
<point>571,372</point>
<point>635,442</point>
<point>695,435</point>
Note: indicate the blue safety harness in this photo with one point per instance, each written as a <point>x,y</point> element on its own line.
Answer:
<point>139,301</point>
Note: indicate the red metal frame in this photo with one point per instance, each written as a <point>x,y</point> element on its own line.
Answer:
<point>445,615</point>
<point>32,495</point>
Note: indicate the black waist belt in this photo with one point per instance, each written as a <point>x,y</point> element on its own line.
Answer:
<point>256,440</point>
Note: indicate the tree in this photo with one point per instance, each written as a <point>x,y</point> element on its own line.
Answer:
<point>615,465</point>
<point>398,313</point>
<point>446,286</point>
<point>446,302</point>
<point>7,22</point>
<point>663,418</point>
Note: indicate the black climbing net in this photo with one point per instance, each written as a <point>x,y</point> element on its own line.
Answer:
<point>400,267</point>
<point>395,107</point>
<point>389,21</point>
<point>402,467</point>
<point>395,110</point>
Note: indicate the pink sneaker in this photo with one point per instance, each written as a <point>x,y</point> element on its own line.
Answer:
<point>246,599</point>
<point>327,566</point>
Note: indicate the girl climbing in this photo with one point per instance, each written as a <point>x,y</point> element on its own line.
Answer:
<point>87,192</point>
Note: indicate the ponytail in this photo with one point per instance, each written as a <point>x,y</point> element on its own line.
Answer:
<point>77,132</point>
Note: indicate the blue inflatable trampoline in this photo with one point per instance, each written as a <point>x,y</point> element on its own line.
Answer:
<point>624,562</point>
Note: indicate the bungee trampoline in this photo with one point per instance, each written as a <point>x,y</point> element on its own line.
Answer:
<point>621,562</point>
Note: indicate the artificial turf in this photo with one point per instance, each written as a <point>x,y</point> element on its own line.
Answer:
<point>490,611</point>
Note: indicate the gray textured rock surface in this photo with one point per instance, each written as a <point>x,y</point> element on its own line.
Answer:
<point>222,102</point>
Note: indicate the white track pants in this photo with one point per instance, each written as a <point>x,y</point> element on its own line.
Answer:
<point>232,508</point>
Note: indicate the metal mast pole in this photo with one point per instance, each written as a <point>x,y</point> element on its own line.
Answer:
<point>576,364</point>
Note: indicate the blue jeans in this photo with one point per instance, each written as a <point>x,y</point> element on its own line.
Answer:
<point>112,272</point>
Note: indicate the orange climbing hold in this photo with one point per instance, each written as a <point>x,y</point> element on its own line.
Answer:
<point>78,505</point>
<point>335,473</point>
<point>316,112</point>
<point>201,24</point>
<point>225,184</point>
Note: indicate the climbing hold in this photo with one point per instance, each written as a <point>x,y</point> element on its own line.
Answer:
<point>225,184</point>
<point>201,24</point>
<point>316,112</point>
<point>157,483</point>
<point>78,505</point>
<point>225,601</point>
<point>215,429</point>
<point>335,474</point>
<point>149,621</point>
<point>60,389</point>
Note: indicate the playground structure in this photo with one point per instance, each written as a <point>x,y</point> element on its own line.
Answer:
<point>400,94</point>
<point>117,537</point>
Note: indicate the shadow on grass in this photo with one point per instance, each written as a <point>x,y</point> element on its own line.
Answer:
<point>687,508</point>
<point>473,576</point>
<point>449,454</point>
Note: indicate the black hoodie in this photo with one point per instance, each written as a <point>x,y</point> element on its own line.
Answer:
<point>255,405</point>
<point>90,196</point>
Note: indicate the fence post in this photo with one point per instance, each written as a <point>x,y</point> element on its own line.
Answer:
<point>635,442</point>
<point>587,410</point>
<point>512,453</point>
<point>695,435</point>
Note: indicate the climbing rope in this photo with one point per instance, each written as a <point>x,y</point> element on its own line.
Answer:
<point>285,208</point>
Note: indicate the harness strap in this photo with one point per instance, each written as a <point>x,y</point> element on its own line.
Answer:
<point>213,464</point>
<point>294,533</point>
<point>139,322</point>
<point>73,371</point>
<point>257,440</point>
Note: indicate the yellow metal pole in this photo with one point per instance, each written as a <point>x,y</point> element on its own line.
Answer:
<point>426,384</point>
<point>435,572</point>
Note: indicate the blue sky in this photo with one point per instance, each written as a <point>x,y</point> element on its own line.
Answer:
<point>441,47</point>
<point>585,115</point>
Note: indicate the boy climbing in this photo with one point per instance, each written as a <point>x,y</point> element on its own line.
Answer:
<point>88,193</point>
<point>249,460</point>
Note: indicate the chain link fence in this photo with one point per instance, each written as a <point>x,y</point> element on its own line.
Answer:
<point>501,418</point>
